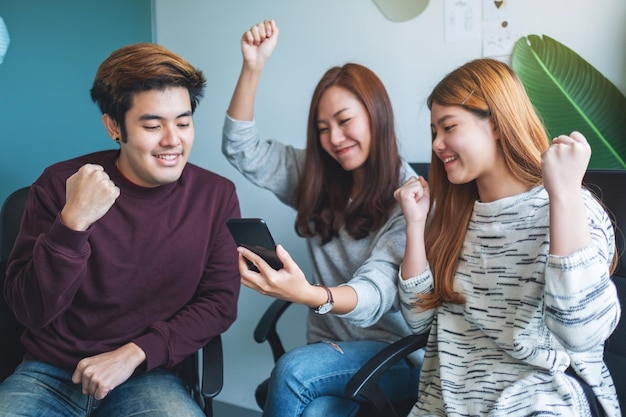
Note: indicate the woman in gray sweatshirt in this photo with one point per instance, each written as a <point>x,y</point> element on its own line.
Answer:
<point>342,188</point>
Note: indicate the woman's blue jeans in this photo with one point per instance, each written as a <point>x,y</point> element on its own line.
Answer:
<point>37,389</point>
<point>310,380</point>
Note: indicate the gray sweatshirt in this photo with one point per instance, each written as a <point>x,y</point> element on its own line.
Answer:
<point>369,265</point>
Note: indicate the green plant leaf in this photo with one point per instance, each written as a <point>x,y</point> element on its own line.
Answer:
<point>570,94</point>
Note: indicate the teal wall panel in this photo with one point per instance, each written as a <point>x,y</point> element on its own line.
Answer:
<point>46,114</point>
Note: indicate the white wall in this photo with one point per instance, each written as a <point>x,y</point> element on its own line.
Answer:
<point>409,57</point>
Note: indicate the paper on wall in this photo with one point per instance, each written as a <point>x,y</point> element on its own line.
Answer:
<point>462,20</point>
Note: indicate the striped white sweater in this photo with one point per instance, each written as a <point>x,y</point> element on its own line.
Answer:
<point>528,316</point>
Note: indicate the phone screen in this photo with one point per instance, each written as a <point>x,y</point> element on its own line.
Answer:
<point>253,234</point>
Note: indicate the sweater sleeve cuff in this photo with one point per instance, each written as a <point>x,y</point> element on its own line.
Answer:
<point>418,284</point>
<point>415,282</point>
<point>66,240</point>
<point>155,349</point>
<point>231,123</point>
<point>574,273</point>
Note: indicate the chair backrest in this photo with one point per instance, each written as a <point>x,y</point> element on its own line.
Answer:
<point>610,187</point>
<point>11,351</point>
<point>11,217</point>
<point>421,168</point>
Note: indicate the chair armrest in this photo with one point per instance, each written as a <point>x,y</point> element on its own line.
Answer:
<point>364,384</point>
<point>212,368</point>
<point>266,328</point>
<point>204,373</point>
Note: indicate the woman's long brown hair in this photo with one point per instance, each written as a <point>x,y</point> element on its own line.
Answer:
<point>324,189</point>
<point>487,88</point>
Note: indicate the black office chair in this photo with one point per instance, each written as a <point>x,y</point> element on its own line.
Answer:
<point>265,331</point>
<point>610,187</point>
<point>203,371</point>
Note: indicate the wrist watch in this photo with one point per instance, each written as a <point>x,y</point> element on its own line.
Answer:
<point>328,305</point>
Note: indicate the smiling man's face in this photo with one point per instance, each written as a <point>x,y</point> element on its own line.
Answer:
<point>159,137</point>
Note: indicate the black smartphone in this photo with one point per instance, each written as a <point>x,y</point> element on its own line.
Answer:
<point>253,234</point>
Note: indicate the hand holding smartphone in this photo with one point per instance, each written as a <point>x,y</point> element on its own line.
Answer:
<point>253,234</point>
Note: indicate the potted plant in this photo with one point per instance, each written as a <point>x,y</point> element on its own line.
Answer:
<point>570,94</point>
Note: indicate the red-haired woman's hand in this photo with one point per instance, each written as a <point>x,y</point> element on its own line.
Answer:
<point>414,199</point>
<point>564,163</point>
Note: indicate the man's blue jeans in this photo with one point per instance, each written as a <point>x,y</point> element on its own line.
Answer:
<point>38,389</point>
<point>310,380</point>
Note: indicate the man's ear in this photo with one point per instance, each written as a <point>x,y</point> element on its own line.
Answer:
<point>113,129</point>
